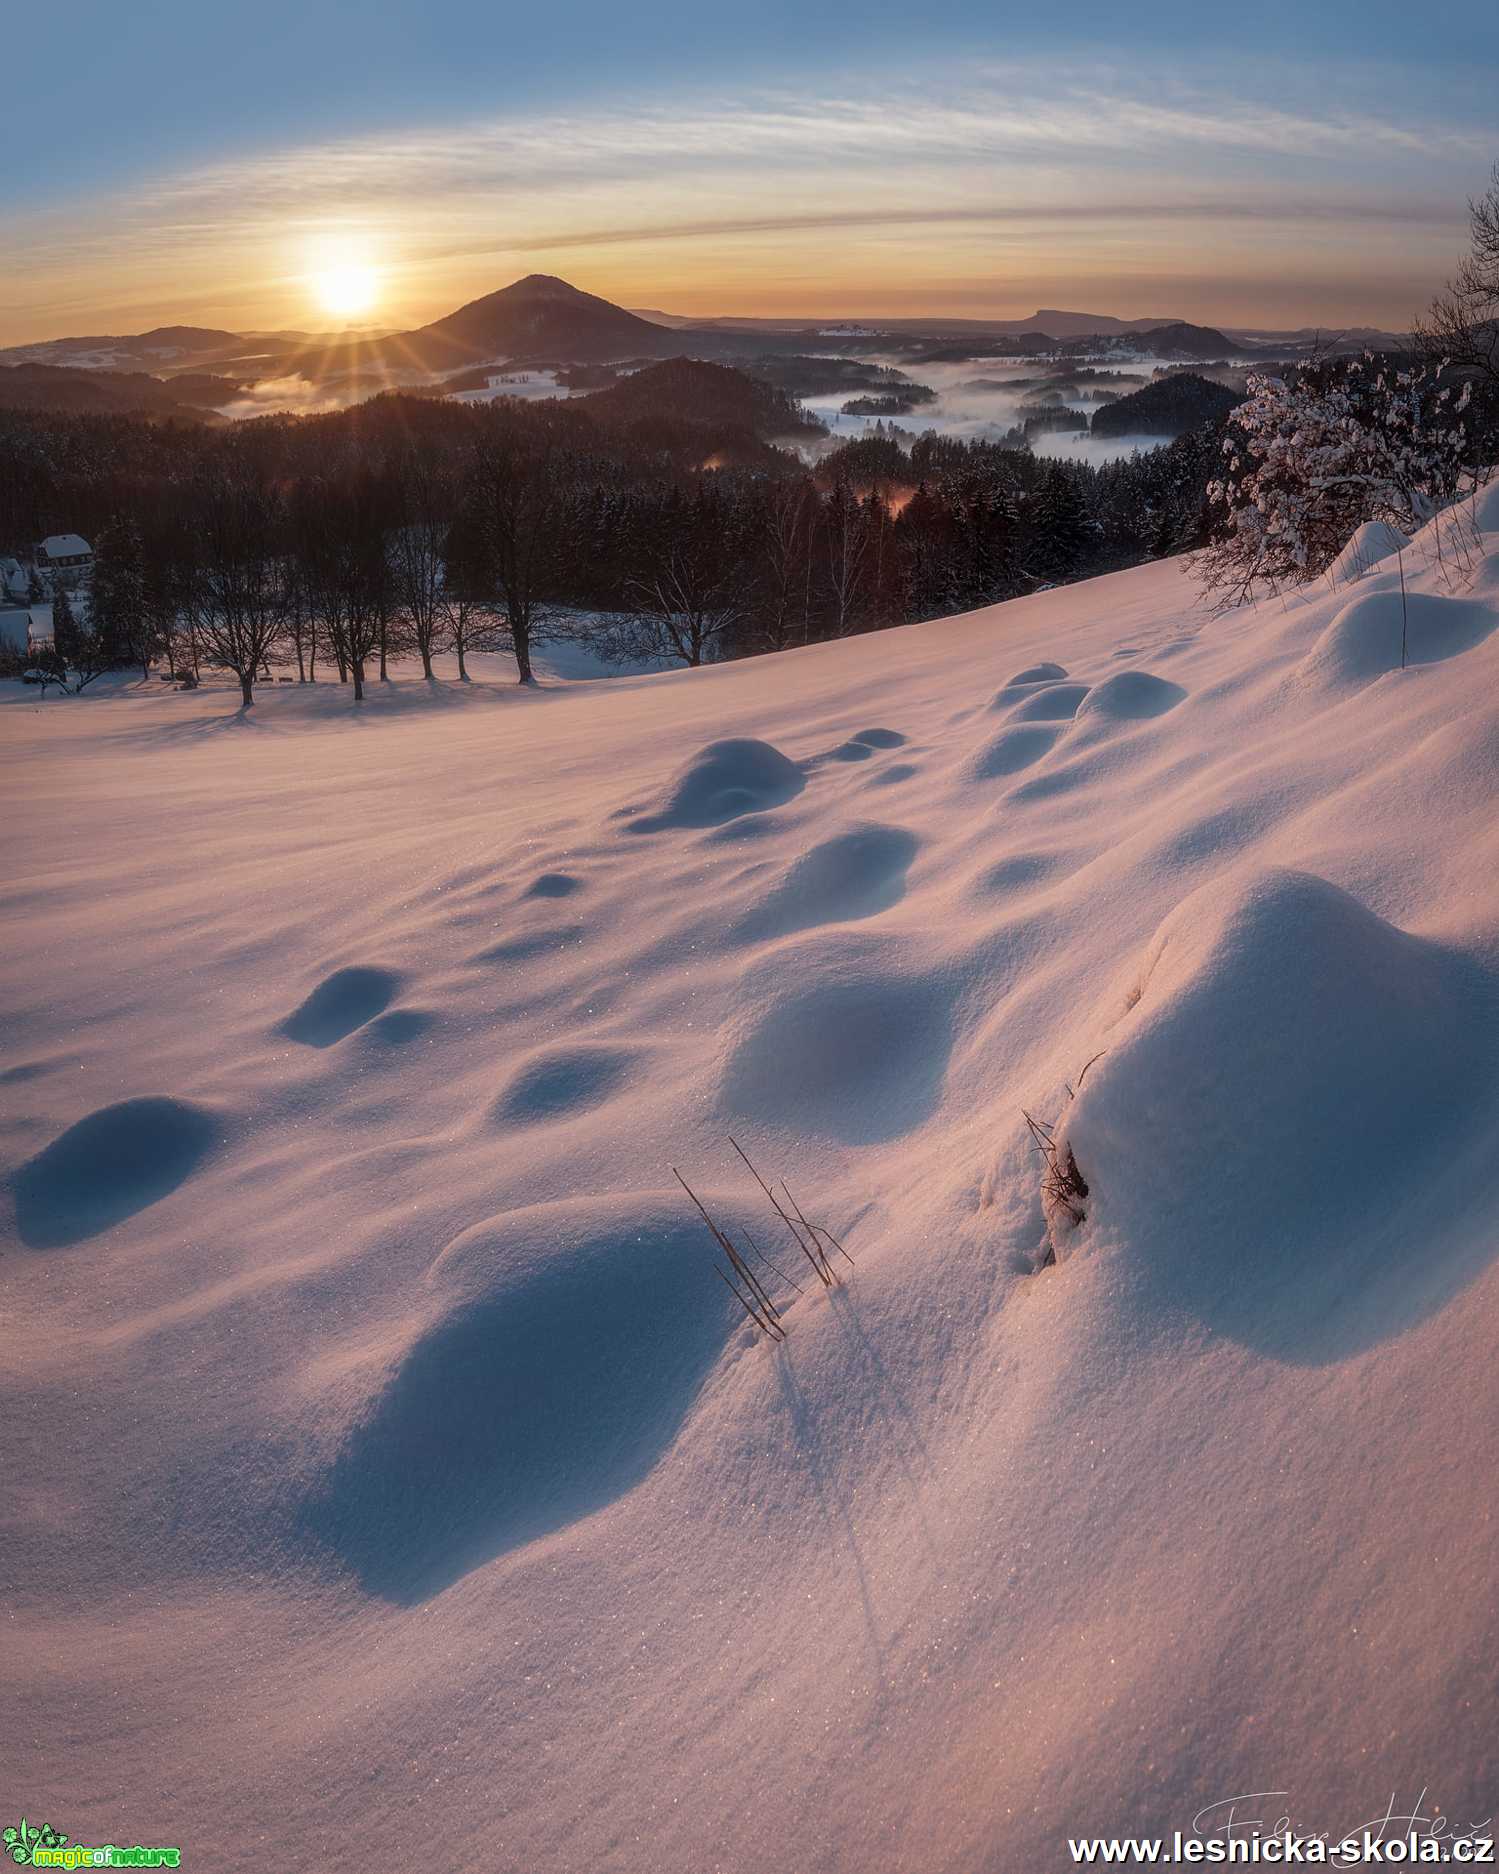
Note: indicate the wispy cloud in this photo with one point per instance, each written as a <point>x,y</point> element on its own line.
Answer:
<point>959,169</point>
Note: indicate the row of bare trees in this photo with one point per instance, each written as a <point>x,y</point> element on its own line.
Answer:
<point>351,567</point>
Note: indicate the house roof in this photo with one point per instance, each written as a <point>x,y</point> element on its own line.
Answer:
<point>64,546</point>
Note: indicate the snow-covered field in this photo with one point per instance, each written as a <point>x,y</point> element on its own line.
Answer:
<point>386,1477</point>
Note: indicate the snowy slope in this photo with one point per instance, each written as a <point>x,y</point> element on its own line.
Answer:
<point>386,1474</point>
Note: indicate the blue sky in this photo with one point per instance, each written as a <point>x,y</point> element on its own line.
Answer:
<point>205,161</point>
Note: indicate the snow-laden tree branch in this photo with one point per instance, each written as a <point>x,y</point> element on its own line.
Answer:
<point>1308,459</point>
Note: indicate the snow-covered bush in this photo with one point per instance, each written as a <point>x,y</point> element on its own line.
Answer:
<point>1310,458</point>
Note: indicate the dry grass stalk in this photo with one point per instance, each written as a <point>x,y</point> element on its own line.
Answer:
<point>807,1237</point>
<point>1064,1186</point>
<point>815,1241</point>
<point>751,1294</point>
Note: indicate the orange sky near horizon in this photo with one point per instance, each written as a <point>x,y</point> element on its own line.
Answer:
<point>938,200</point>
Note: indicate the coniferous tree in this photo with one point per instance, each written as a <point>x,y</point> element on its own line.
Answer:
<point>75,648</point>
<point>119,614</point>
<point>1058,526</point>
<point>67,638</point>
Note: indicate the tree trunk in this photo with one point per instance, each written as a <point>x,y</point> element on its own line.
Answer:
<point>246,690</point>
<point>462,667</point>
<point>426,660</point>
<point>358,679</point>
<point>384,675</point>
<point>522,636</point>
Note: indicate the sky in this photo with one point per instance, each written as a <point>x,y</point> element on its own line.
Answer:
<point>1293,164</point>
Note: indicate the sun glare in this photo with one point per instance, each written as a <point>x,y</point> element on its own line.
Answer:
<point>346,291</point>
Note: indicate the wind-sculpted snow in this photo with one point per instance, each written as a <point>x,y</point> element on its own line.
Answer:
<point>553,885</point>
<point>724,780</point>
<point>1052,702</point>
<point>1130,696</point>
<point>1373,544</point>
<point>375,1424</point>
<point>1369,635</point>
<point>346,1000</point>
<point>1011,750</point>
<point>1036,673</point>
<point>855,874</point>
<point>108,1167</point>
<point>1291,1066</point>
<point>563,1345</point>
<point>562,1083</point>
<point>835,1039</point>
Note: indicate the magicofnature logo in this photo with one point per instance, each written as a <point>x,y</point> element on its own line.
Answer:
<point>40,1845</point>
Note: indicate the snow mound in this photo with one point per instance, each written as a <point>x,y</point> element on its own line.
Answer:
<point>1018,871</point>
<point>1288,1064</point>
<point>1036,673</point>
<point>724,780</point>
<point>1130,696</point>
<point>1364,639</point>
<point>851,750</point>
<point>344,1001</point>
<point>1375,542</point>
<point>856,874</point>
<point>565,1344</point>
<point>563,1082</point>
<point>553,885</point>
<point>398,1027</point>
<point>116,1162</point>
<point>835,1038</point>
<point>1057,702</point>
<point>1010,751</point>
<point>533,946</point>
<point>1485,509</point>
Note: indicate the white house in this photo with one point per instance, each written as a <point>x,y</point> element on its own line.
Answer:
<point>63,559</point>
<point>15,629</point>
<point>14,581</point>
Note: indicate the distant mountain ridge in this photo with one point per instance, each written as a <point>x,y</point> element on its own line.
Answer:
<point>1055,323</point>
<point>541,320</point>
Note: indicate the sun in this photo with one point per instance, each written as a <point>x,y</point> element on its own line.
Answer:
<point>347,290</point>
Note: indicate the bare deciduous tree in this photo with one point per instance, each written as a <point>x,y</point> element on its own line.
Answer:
<point>416,550</point>
<point>464,595</point>
<point>1462,326</point>
<point>683,606</point>
<point>236,578</point>
<point>522,491</point>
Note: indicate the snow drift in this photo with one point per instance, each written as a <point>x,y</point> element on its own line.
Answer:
<point>1289,1067</point>
<point>382,1455</point>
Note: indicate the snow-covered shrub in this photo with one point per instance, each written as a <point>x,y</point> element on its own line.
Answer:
<point>1310,458</point>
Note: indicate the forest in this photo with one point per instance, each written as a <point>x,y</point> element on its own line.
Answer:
<point>655,518</point>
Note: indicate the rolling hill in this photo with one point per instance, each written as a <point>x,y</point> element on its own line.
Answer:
<point>1166,408</point>
<point>111,393</point>
<point>696,391</point>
